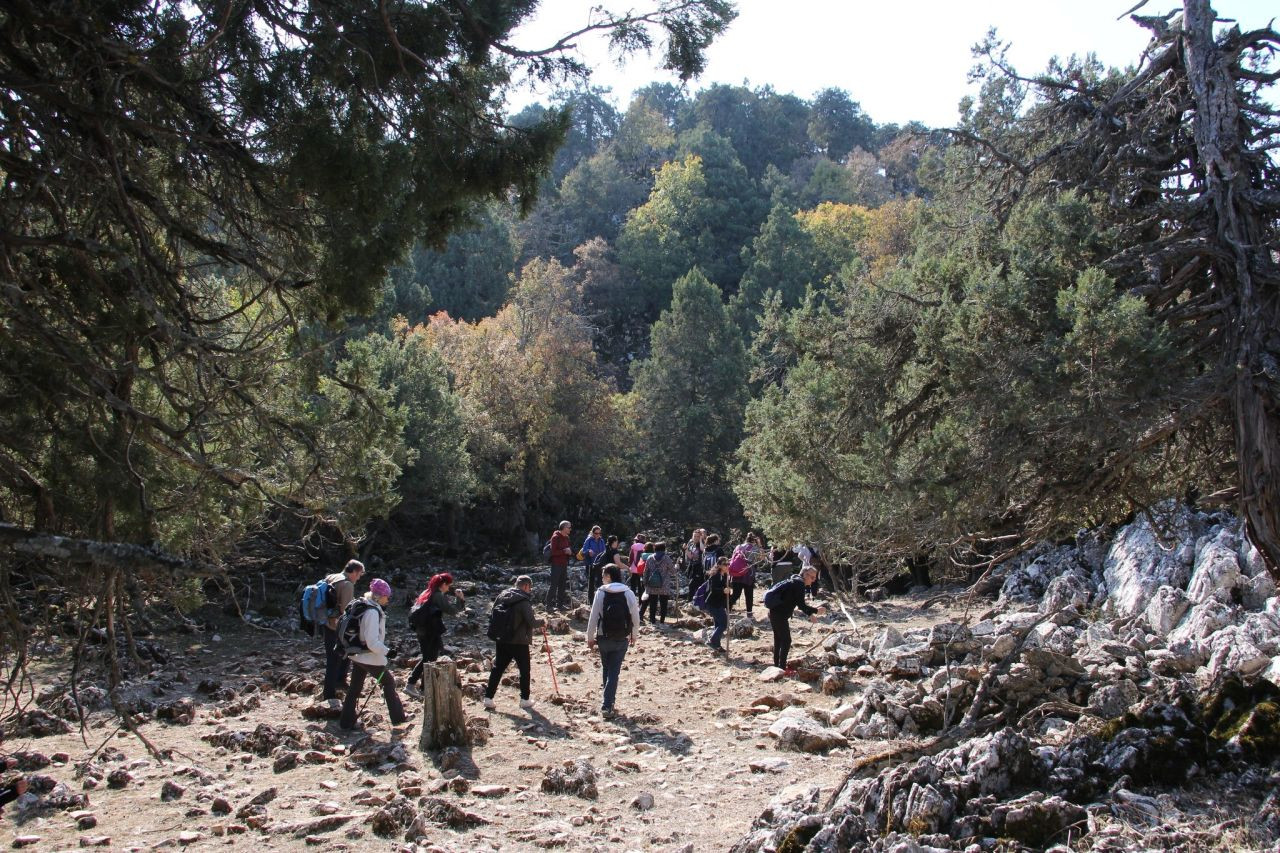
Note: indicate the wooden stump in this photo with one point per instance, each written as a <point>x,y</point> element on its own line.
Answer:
<point>443,723</point>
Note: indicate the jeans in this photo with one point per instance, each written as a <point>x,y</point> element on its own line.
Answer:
<point>336,665</point>
<point>558,588</point>
<point>506,653</point>
<point>720,618</point>
<point>781,638</point>
<point>384,677</point>
<point>611,654</point>
<point>658,604</point>
<point>739,588</point>
<point>431,646</point>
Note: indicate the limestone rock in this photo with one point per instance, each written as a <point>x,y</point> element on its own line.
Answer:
<point>798,731</point>
<point>1146,556</point>
<point>575,777</point>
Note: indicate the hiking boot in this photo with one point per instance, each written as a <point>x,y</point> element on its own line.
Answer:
<point>527,704</point>
<point>413,691</point>
<point>333,704</point>
<point>488,704</point>
<point>608,713</point>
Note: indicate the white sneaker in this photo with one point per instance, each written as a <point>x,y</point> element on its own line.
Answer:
<point>527,704</point>
<point>488,704</point>
<point>333,704</point>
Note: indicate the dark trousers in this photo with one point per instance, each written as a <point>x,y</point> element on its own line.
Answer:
<point>611,654</point>
<point>384,677</point>
<point>781,626</point>
<point>658,604</point>
<point>505,654</point>
<point>431,646</point>
<point>336,665</point>
<point>595,580</point>
<point>558,588</point>
<point>719,618</point>
<point>695,581</point>
<point>636,583</point>
<point>740,587</point>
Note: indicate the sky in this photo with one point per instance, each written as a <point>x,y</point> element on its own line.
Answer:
<point>902,61</point>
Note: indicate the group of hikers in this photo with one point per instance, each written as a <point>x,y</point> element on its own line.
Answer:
<point>626,585</point>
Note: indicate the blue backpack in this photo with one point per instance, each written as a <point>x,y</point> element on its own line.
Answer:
<point>700,596</point>
<point>318,603</point>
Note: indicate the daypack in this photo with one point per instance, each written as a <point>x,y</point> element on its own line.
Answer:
<point>318,601</point>
<point>773,597</point>
<point>546,551</point>
<point>700,595</point>
<point>502,622</point>
<point>349,639</point>
<point>709,560</point>
<point>425,619</point>
<point>738,565</point>
<point>653,572</point>
<point>615,616</point>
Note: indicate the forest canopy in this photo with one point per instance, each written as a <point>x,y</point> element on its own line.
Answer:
<point>270,266</point>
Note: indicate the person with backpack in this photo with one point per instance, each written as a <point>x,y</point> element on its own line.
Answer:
<point>742,571</point>
<point>717,602</point>
<point>592,547</point>
<point>659,581</point>
<point>636,578</point>
<point>561,552</point>
<point>781,600</point>
<point>610,556</point>
<point>694,570</point>
<point>426,618</point>
<point>711,552</point>
<point>364,638</point>
<point>511,627</point>
<point>612,627</point>
<point>336,664</point>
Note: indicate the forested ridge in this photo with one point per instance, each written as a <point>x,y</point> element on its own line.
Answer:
<point>293,274</point>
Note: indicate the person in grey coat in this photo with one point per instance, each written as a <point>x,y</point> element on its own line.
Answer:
<point>613,626</point>
<point>659,581</point>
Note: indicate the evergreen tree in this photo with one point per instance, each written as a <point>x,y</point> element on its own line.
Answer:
<point>688,402</point>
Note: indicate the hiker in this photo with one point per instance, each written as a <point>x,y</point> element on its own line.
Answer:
<point>611,556</point>
<point>782,599</point>
<point>513,641</point>
<point>372,633</point>
<point>592,547</point>
<point>811,558</point>
<point>659,581</point>
<point>711,551</point>
<point>336,664</point>
<point>694,570</point>
<point>636,579</point>
<point>561,552</point>
<point>427,621</point>
<point>718,601</point>
<point>742,570</point>
<point>614,624</point>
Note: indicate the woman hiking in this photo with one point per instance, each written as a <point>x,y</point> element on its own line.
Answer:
<point>427,621</point>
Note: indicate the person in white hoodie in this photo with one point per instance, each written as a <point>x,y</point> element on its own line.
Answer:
<point>373,660</point>
<point>614,624</point>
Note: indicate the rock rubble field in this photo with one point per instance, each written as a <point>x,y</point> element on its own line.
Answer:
<point>1116,693</point>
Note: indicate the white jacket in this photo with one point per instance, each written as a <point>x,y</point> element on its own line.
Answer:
<point>373,633</point>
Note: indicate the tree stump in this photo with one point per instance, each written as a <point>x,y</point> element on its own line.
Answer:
<point>443,723</point>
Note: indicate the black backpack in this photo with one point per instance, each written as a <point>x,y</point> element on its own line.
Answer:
<point>349,639</point>
<point>615,616</point>
<point>502,621</point>
<point>427,619</point>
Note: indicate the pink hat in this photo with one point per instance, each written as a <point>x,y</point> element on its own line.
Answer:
<point>380,587</point>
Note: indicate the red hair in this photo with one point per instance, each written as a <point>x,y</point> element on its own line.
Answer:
<point>437,581</point>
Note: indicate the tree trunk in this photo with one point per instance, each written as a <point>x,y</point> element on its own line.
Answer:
<point>1242,271</point>
<point>443,722</point>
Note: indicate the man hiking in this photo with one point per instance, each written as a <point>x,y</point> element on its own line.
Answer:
<point>561,553</point>
<point>373,660</point>
<point>511,626</point>
<point>782,599</point>
<point>336,663</point>
<point>614,624</point>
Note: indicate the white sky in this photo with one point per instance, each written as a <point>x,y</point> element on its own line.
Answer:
<point>901,61</point>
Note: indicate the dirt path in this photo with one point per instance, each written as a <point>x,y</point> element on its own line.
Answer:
<point>686,737</point>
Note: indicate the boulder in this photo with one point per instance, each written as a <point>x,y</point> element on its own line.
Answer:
<point>796,730</point>
<point>1165,609</point>
<point>575,777</point>
<point>1146,556</point>
<point>1216,573</point>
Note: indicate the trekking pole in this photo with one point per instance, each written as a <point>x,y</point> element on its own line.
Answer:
<point>546,644</point>
<point>377,682</point>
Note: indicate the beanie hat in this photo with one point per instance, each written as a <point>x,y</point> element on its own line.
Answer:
<point>380,587</point>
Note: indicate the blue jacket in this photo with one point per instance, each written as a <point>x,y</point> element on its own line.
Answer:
<point>592,547</point>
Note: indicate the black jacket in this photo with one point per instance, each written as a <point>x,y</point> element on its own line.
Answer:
<point>521,605</point>
<point>789,596</point>
<point>718,590</point>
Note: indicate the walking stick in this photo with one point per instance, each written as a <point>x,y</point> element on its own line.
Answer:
<point>377,682</point>
<point>546,644</point>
